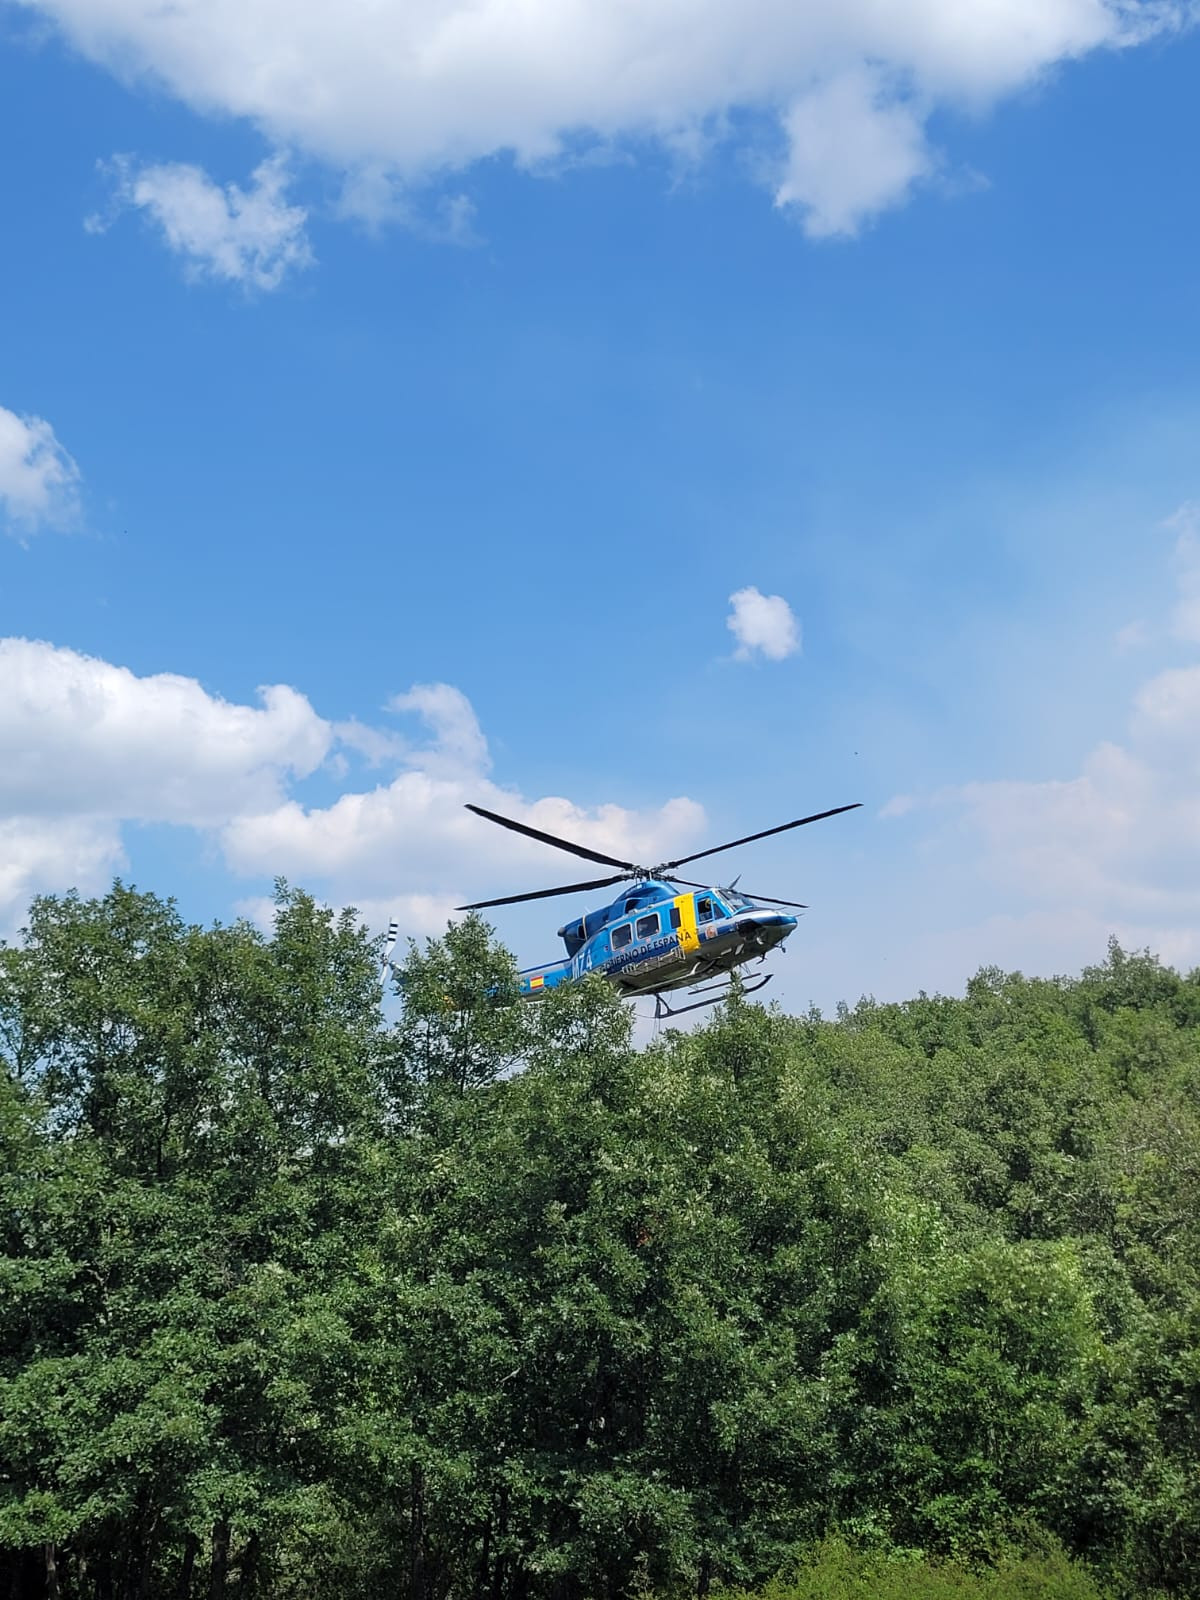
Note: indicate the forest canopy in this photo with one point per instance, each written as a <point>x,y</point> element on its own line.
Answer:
<point>304,1296</point>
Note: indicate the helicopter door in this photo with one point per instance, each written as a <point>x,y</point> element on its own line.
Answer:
<point>683,917</point>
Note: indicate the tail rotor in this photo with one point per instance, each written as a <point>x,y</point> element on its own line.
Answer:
<point>386,963</point>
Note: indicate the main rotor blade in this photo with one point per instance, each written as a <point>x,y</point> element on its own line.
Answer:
<point>545,894</point>
<point>549,838</point>
<point>800,822</point>
<point>770,900</point>
<point>765,899</point>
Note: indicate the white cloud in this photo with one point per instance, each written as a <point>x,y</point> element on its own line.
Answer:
<point>86,747</point>
<point>459,745</point>
<point>898,806</point>
<point>762,624</point>
<point>79,736</point>
<point>248,236</point>
<point>39,483</point>
<point>1167,710</point>
<point>40,854</point>
<point>1041,942</point>
<point>409,89</point>
<point>1132,636</point>
<point>1185,620</point>
<point>1110,846</point>
<point>374,195</point>
<point>412,839</point>
<point>1121,839</point>
<point>419,916</point>
<point>854,149</point>
<point>413,836</point>
<point>1114,837</point>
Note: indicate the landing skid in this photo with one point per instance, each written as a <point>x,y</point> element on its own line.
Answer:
<point>717,991</point>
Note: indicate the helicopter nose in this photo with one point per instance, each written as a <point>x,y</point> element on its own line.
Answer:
<point>775,924</point>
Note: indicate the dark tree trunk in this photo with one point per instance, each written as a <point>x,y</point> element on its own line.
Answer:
<point>145,1577</point>
<point>500,1565</point>
<point>248,1566</point>
<point>416,1536</point>
<point>25,1570</point>
<point>485,1561</point>
<point>191,1549</point>
<point>104,1577</point>
<point>704,1580</point>
<point>53,1588</point>
<point>219,1564</point>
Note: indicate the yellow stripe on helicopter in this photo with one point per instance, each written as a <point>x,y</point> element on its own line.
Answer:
<point>689,938</point>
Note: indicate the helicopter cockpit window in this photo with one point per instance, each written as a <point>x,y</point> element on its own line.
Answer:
<point>621,936</point>
<point>704,909</point>
<point>737,901</point>
<point>647,927</point>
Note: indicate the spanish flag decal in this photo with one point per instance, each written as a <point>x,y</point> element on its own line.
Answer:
<point>536,983</point>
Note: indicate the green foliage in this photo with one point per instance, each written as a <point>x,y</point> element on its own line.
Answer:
<point>485,1302</point>
<point>835,1570</point>
<point>461,1025</point>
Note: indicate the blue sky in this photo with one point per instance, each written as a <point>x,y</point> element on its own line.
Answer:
<point>486,383</point>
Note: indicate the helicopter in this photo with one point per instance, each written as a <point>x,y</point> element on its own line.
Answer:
<point>661,932</point>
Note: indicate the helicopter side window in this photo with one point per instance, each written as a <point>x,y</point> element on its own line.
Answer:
<point>647,927</point>
<point>676,917</point>
<point>704,909</point>
<point>621,936</point>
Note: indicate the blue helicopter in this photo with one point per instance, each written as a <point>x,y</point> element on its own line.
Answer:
<point>661,932</point>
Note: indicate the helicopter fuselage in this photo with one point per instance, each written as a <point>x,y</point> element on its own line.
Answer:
<point>654,939</point>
